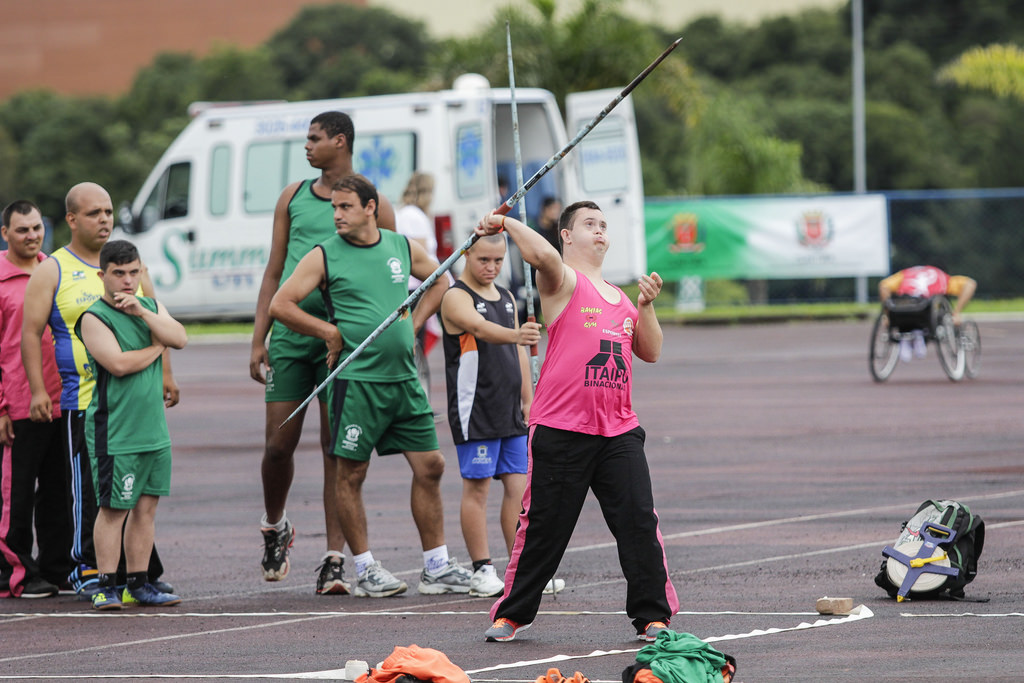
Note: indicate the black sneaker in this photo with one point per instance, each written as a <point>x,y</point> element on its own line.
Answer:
<point>38,587</point>
<point>275,551</point>
<point>331,579</point>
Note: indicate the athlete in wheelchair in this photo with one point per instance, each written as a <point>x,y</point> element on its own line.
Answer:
<point>916,310</point>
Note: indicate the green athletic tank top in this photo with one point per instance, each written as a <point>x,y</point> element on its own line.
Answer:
<point>312,222</point>
<point>366,284</point>
<point>126,414</point>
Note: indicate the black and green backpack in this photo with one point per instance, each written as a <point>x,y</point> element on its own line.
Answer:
<point>962,550</point>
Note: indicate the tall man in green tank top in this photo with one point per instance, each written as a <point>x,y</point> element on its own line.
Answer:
<point>125,427</point>
<point>295,364</point>
<point>377,401</point>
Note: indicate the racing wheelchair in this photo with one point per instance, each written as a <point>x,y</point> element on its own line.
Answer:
<point>959,346</point>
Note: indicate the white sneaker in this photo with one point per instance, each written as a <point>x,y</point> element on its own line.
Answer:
<point>906,351</point>
<point>920,349</point>
<point>554,586</point>
<point>454,578</point>
<point>377,582</point>
<point>485,583</point>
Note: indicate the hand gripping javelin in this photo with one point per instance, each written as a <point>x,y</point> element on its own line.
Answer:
<point>502,210</point>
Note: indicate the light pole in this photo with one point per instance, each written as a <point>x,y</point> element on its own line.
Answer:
<point>859,156</point>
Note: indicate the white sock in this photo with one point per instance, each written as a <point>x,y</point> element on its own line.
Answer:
<point>333,553</point>
<point>436,559</point>
<point>279,526</point>
<point>362,560</point>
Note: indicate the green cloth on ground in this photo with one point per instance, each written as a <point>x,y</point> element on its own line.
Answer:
<point>682,658</point>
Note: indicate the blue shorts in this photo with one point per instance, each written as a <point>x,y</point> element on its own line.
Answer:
<point>492,458</point>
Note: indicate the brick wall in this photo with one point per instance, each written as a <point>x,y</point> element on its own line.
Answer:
<point>88,47</point>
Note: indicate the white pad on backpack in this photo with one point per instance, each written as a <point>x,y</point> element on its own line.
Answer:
<point>927,581</point>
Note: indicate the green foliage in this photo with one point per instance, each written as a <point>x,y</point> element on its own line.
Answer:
<point>731,154</point>
<point>998,69</point>
<point>339,50</point>
<point>737,109</point>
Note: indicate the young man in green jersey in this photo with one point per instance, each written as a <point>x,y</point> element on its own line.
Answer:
<point>125,427</point>
<point>291,365</point>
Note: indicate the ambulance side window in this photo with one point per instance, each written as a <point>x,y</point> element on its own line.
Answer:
<point>169,198</point>
<point>220,180</point>
<point>269,168</point>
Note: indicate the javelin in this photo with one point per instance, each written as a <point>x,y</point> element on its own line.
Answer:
<point>527,270</point>
<point>471,240</point>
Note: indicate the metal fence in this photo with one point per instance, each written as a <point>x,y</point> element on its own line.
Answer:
<point>979,233</point>
<point>970,232</point>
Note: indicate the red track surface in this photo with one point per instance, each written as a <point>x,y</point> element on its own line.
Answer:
<point>781,470</point>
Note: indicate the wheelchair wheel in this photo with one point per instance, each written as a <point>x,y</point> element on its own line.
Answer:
<point>970,341</point>
<point>884,353</point>
<point>951,355</point>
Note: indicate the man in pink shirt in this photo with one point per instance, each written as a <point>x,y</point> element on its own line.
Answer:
<point>30,452</point>
<point>584,435</point>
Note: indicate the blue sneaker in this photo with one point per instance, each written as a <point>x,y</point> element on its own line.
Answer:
<point>84,581</point>
<point>126,598</point>
<point>107,599</point>
<point>147,595</point>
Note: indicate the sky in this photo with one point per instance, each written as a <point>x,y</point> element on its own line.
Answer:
<point>458,18</point>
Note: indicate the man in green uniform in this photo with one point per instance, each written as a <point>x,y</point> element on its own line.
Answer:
<point>295,364</point>
<point>377,400</point>
<point>125,427</point>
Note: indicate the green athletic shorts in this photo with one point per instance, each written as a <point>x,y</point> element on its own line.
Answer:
<point>132,476</point>
<point>392,417</point>
<point>298,364</point>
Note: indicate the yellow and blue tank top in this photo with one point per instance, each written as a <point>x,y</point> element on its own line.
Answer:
<point>78,287</point>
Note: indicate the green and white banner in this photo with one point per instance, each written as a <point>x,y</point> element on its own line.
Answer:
<point>768,237</point>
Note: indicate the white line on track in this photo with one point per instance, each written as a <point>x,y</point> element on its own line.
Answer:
<point>961,614</point>
<point>327,615</point>
<point>859,613</point>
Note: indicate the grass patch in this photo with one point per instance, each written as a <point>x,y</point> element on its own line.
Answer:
<point>741,313</point>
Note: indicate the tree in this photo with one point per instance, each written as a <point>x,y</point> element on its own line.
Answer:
<point>998,69</point>
<point>339,50</point>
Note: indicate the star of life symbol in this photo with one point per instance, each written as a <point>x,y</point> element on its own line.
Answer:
<point>377,162</point>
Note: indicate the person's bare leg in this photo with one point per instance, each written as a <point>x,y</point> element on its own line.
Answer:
<point>511,506</point>
<point>335,535</point>
<point>473,516</point>
<point>425,496</point>
<point>139,533</point>
<point>350,475</point>
<point>278,466</point>
<point>106,537</point>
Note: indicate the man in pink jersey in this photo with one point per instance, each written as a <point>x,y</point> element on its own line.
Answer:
<point>584,434</point>
<point>924,282</point>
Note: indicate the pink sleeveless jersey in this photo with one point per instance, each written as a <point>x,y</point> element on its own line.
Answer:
<point>585,383</point>
<point>923,281</point>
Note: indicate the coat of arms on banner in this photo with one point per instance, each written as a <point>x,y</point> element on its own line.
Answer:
<point>684,234</point>
<point>815,229</point>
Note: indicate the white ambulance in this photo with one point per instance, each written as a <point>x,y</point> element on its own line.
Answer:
<point>202,220</point>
